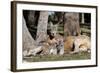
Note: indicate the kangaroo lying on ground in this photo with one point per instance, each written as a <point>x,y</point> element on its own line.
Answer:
<point>75,44</point>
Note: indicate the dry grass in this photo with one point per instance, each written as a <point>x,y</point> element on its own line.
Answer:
<point>38,58</point>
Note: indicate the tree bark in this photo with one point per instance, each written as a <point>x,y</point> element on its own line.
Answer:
<point>28,41</point>
<point>71,24</point>
<point>82,18</point>
<point>42,27</point>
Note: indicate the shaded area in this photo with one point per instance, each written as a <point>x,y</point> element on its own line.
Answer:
<point>31,18</point>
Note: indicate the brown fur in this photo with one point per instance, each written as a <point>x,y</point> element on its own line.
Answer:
<point>68,44</point>
<point>46,46</point>
<point>77,43</point>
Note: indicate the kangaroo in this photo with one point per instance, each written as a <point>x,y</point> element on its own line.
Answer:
<point>75,44</point>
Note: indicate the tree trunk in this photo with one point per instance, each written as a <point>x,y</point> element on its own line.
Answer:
<point>71,24</point>
<point>82,18</point>
<point>28,41</point>
<point>42,27</point>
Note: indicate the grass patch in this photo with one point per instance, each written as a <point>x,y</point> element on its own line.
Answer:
<point>38,58</point>
<point>85,30</point>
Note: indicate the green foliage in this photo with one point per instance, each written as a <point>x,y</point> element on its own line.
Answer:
<point>85,29</point>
